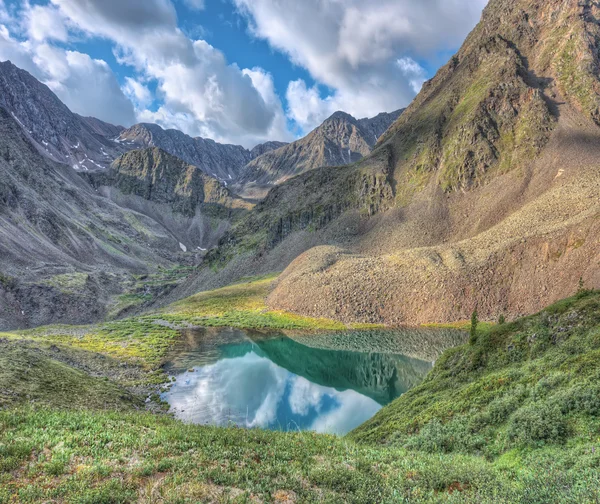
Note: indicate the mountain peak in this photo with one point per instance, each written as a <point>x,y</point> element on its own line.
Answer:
<point>341,115</point>
<point>340,140</point>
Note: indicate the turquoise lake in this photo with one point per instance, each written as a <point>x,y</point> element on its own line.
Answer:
<point>324,383</point>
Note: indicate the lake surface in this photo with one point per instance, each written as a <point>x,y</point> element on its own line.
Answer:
<point>272,381</point>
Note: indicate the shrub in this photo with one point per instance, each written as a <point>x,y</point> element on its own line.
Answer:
<point>474,323</point>
<point>501,320</point>
<point>454,436</point>
<point>538,423</point>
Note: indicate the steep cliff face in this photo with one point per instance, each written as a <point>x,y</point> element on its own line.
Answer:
<point>340,140</point>
<point>82,143</point>
<point>157,176</point>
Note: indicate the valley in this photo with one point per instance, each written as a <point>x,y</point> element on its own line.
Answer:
<point>398,308</point>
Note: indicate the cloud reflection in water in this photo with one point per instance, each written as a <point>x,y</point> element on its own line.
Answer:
<point>252,391</point>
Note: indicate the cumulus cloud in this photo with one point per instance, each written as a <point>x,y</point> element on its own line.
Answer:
<point>87,86</point>
<point>194,78</point>
<point>137,92</point>
<point>352,47</point>
<point>45,23</point>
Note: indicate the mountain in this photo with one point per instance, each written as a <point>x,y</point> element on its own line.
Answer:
<point>66,251</point>
<point>82,143</point>
<point>340,140</point>
<point>483,194</point>
<point>157,176</point>
<point>263,148</point>
<point>88,144</point>
<point>221,161</point>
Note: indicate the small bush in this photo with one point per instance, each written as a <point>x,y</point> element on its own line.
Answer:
<point>538,423</point>
<point>473,332</point>
<point>454,436</point>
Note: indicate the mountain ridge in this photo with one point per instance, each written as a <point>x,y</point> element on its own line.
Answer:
<point>339,140</point>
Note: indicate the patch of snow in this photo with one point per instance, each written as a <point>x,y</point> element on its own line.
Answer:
<point>182,247</point>
<point>230,177</point>
<point>201,249</point>
<point>17,119</point>
<point>45,143</point>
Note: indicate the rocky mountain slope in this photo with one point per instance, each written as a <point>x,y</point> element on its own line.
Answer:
<point>221,161</point>
<point>483,193</point>
<point>65,250</point>
<point>340,140</point>
<point>157,176</point>
<point>83,143</point>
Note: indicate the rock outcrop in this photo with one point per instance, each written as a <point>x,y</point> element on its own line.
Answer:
<point>157,176</point>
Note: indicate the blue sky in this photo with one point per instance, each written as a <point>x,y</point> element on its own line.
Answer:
<point>240,71</point>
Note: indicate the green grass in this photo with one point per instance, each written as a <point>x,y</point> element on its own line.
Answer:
<point>515,417</point>
<point>523,385</point>
<point>30,375</point>
<point>123,457</point>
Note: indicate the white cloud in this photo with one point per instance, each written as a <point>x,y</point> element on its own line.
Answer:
<point>194,78</point>
<point>85,85</point>
<point>43,23</point>
<point>90,88</point>
<point>414,72</point>
<point>351,46</point>
<point>194,4</point>
<point>137,92</point>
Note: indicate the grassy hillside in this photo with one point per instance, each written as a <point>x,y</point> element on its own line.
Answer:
<point>520,386</point>
<point>514,417</point>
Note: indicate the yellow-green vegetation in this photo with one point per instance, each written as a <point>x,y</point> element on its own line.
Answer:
<point>145,340</point>
<point>513,418</point>
<point>241,305</point>
<point>68,282</point>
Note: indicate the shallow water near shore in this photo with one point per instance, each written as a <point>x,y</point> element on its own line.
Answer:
<point>326,383</point>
